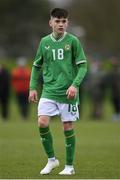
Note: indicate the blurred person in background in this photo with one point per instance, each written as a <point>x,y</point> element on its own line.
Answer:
<point>97,86</point>
<point>115,86</point>
<point>4,91</point>
<point>20,84</point>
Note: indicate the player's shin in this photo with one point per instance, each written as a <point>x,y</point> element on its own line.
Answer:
<point>47,141</point>
<point>70,146</point>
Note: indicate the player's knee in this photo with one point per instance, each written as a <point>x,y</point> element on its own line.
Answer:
<point>43,121</point>
<point>67,126</point>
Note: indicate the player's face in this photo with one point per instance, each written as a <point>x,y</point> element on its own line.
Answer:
<point>59,25</point>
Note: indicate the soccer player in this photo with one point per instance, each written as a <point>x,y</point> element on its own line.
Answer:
<point>64,65</point>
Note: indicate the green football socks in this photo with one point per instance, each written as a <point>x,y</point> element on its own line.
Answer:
<point>70,146</point>
<point>47,141</point>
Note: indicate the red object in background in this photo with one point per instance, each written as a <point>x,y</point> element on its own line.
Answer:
<point>20,79</point>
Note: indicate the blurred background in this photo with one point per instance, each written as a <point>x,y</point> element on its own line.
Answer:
<point>97,25</point>
<point>95,22</point>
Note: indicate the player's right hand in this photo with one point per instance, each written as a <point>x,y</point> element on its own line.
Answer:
<point>33,97</point>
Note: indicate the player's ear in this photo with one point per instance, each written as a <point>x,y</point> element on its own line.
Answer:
<point>67,21</point>
<point>50,23</point>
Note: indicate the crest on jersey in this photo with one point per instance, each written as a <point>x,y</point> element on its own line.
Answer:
<point>67,47</point>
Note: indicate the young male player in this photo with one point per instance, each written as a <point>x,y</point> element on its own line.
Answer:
<point>64,66</point>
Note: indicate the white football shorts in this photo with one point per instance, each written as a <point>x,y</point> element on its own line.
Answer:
<point>67,112</point>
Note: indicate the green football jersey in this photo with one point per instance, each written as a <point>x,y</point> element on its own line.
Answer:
<point>59,60</point>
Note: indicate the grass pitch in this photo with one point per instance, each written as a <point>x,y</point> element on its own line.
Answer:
<point>97,146</point>
<point>97,150</point>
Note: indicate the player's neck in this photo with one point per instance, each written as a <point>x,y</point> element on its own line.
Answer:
<point>57,36</point>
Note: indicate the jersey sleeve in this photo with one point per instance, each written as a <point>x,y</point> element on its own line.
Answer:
<point>82,70</point>
<point>35,73</point>
<point>78,52</point>
<point>39,56</point>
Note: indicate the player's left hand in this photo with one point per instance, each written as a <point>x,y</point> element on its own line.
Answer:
<point>71,92</point>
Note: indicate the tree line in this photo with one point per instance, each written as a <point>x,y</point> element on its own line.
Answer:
<point>24,22</point>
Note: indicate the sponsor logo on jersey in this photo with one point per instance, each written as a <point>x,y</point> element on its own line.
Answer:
<point>47,47</point>
<point>67,47</point>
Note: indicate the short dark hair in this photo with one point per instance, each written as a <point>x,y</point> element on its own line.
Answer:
<point>59,13</point>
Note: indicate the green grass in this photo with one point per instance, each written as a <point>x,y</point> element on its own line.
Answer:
<point>97,152</point>
<point>97,148</point>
